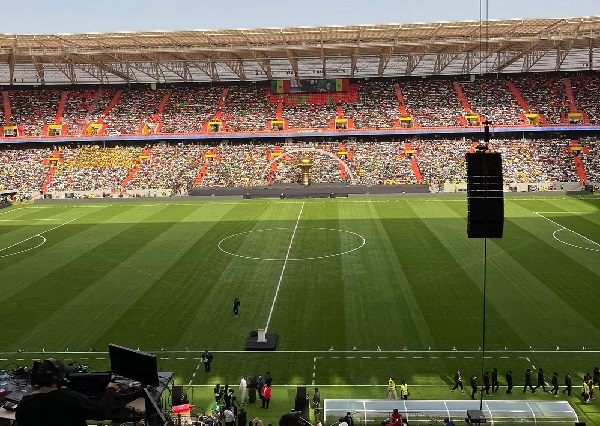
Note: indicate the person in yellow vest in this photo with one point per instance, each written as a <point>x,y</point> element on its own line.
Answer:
<point>392,389</point>
<point>403,390</point>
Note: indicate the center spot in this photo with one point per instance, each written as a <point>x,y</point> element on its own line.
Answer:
<point>308,244</point>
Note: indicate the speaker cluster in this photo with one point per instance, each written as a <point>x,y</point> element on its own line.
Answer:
<point>485,196</point>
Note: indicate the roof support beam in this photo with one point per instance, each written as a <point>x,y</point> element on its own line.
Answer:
<point>412,63</point>
<point>384,59</point>
<point>531,59</point>
<point>39,67</point>
<point>442,61</point>
<point>353,59</point>
<point>561,55</point>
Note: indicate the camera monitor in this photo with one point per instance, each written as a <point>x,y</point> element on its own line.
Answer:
<point>134,365</point>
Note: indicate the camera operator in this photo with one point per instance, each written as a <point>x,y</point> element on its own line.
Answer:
<point>53,405</point>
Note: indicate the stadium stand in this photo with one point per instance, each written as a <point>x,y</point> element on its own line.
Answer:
<point>135,108</point>
<point>189,107</point>
<point>432,103</point>
<point>492,99</point>
<point>377,106</point>
<point>24,169</point>
<point>586,90</point>
<point>32,109</point>
<point>246,109</point>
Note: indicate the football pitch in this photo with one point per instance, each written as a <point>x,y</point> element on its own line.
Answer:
<point>397,279</point>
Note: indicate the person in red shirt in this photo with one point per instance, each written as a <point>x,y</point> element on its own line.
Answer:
<point>396,417</point>
<point>266,395</point>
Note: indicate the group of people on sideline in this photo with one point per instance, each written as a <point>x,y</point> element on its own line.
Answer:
<point>393,393</point>
<point>490,383</point>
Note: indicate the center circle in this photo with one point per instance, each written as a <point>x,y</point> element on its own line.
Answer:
<point>360,242</point>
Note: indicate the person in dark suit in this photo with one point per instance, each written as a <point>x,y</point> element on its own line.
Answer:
<point>596,375</point>
<point>236,306</point>
<point>509,381</point>
<point>473,386</point>
<point>207,358</point>
<point>486,383</point>
<point>495,384</point>
<point>458,383</point>
<point>268,379</point>
<point>568,384</point>
<point>349,419</point>
<point>528,381</point>
<point>541,382</point>
<point>554,385</point>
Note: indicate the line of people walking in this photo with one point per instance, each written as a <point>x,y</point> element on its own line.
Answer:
<point>490,383</point>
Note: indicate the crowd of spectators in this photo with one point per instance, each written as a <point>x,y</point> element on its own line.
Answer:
<point>23,169</point>
<point>544,95</point>
<point>380,163</point>
<point>78,107</point>
<point>92,168</point>
<point>177,167</point>
<point>309,116</point>
<point>590,156</point>
<point>173,167</point>
<point>189,108</point>
<point>101,102</point>
<point>246,109</point>
<point>441,161</point>
<point>33,109</point>
<point>134,108</point>
<point>432,103</point>
<point>373,105</point>
<point>492,100</point>
<point>238,165</point>
<point>536,160</point>
<point>586,91</point>
<point>377,106</point>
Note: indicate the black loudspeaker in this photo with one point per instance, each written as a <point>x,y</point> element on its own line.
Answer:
<point>475,417</point>
<point>301,401</point>
<point>485,195</point>
<point>177,395</point>
<point>579,423</point>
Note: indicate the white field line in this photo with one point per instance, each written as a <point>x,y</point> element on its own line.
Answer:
<point>38,235</point>
<point>287,256</point>
<point>192,352</point>
<point>564,228</point>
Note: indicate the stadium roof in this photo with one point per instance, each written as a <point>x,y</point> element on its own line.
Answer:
<point>468,47</point>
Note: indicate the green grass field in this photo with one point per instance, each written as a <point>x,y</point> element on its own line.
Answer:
<point>399,274</point>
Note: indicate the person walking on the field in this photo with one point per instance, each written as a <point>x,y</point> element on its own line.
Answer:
<point>495,384</point>
<point>207,358</point>
<point>403,390</point>
<point>236,306</point>
<point>509,381</point>
<point>554,385</point>
<point>541,382</point>
<point>486,383</point>
<point>568,384</point>
<point>392,389</point>
<point>528,381</point>
<point>585,394</point>
<point>458,383</point>
<point>317,401</point>
<point>473,386</point>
